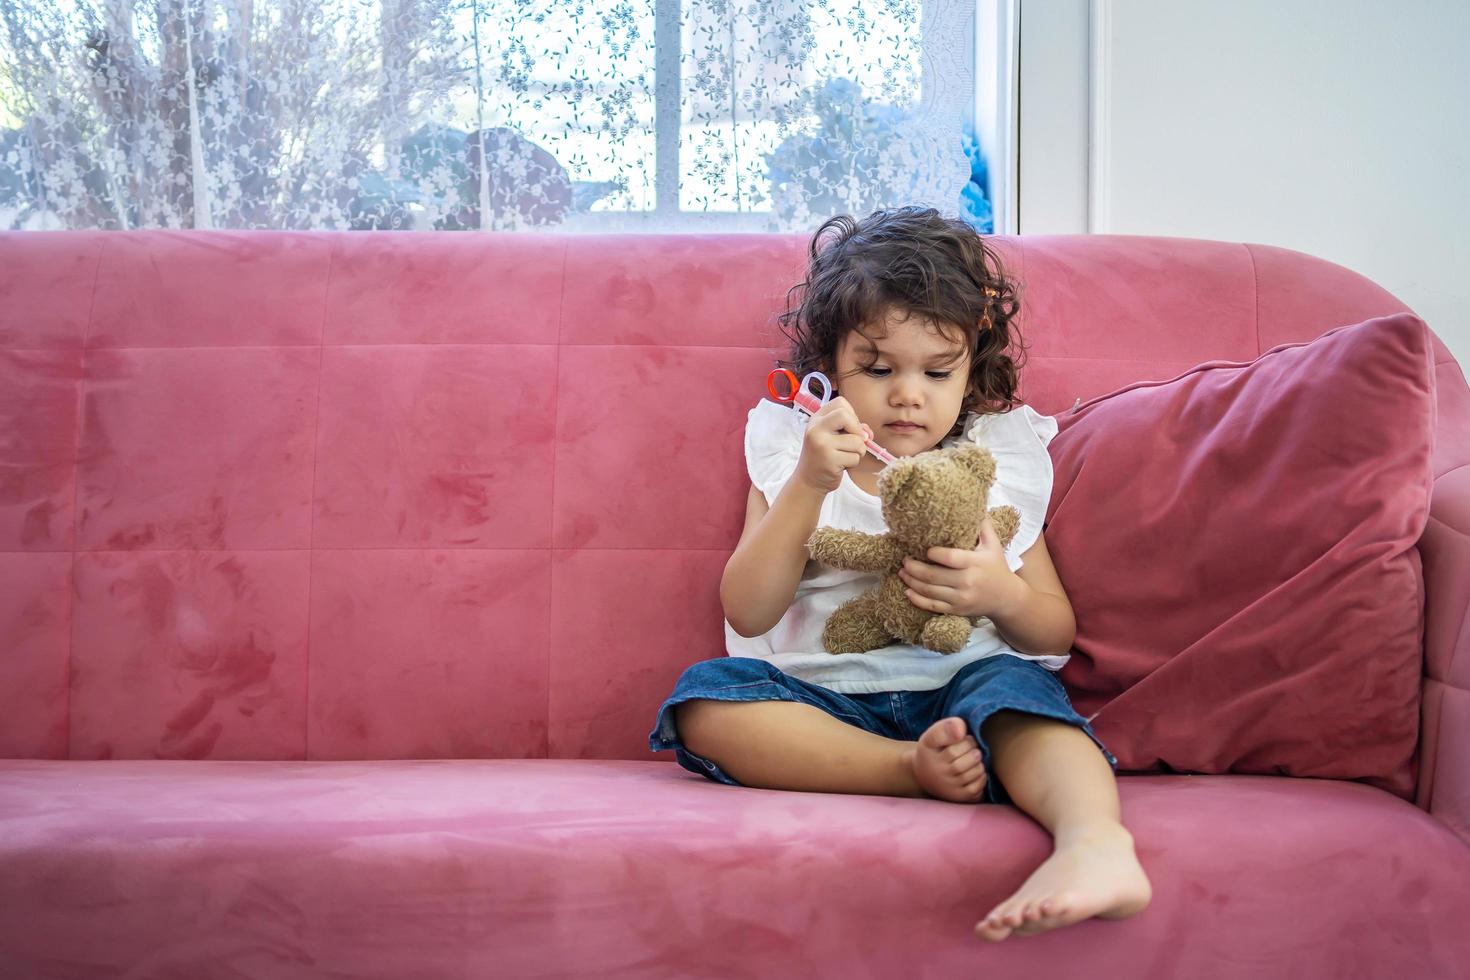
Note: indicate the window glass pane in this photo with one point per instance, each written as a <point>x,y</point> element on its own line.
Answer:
<point>773,88</point>
<point>590,114</point>
<point>575,78</point>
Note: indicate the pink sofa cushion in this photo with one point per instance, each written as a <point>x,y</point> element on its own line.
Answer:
<point>1239,547</point>
<point>484,868</point>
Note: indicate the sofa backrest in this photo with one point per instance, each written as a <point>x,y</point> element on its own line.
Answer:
<point>314,495</point>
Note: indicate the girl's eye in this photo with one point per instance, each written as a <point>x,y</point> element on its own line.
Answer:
<point>883,373</point>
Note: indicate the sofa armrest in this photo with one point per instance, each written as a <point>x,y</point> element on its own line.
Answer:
<point>1444,747</point>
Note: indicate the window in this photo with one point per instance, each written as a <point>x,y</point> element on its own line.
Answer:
<point>630,114</point>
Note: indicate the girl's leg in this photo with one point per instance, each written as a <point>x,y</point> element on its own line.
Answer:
<point>795,746</point>
<point>741,721</point>
<point>1028,752</point>
<point>1054,772</point>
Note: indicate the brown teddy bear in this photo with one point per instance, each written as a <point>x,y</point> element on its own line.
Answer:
<point>935,499</point>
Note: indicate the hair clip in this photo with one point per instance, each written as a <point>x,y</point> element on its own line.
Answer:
<point>985,321</point>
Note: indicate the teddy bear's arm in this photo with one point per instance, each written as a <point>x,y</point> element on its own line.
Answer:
<point>855,550</point>
<point>1007,521</point>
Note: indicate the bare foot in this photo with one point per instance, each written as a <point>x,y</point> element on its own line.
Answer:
<point>946,762</point>
<point>1094,875</point>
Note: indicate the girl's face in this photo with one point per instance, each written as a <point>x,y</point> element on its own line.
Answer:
<point>907,373</point>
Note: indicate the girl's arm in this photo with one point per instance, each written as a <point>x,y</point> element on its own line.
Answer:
<point>1039,618</point>
<point>761,577</point>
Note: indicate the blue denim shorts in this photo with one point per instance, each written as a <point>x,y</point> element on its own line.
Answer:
<point>976,692</point>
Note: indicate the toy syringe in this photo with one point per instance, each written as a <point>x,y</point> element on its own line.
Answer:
<point>803,398</point>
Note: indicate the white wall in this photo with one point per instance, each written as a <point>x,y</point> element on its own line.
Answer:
<point>1335,128</point>
<point>1052,117</point>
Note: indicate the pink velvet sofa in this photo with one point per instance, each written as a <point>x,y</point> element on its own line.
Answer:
<point>341,576</point>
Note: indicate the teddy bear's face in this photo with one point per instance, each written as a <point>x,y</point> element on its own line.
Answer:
<point>937,498</point>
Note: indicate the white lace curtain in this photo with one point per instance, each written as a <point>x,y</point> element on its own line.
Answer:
<point>586,114</point>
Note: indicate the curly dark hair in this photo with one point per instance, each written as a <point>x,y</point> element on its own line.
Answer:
<point>916,261</point>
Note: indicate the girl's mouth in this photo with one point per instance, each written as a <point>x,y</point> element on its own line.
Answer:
<point>904,426</point>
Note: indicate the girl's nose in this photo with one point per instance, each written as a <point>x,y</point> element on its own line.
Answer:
<point>907,392</point>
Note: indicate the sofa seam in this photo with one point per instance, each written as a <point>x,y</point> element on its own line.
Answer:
<point>76,479</point>
<point>316,429</point>
<point>209,551</point>
<point>1186,362</point>
<point>1255,293</point>
<point>1457,466</point>
<point>561,318</point>
<point>1425,772</point>
<point>1426,781</point>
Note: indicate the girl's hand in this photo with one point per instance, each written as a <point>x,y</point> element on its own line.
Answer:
<point>960,582</point>
<point>833,443</point>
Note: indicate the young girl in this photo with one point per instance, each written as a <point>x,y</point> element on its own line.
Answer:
<point>909,314</point>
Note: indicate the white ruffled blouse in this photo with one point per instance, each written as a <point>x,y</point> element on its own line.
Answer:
<point>773,438</point>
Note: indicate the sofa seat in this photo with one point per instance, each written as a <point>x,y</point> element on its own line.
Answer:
<point>428,868</point>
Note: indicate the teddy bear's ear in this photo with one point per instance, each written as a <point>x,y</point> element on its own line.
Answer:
<point>977,460</point>
<point>895,475</point>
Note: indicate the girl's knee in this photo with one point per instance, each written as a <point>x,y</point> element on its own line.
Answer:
<point>687,717</point>
<point>694,720</point>
<point>707,725</point>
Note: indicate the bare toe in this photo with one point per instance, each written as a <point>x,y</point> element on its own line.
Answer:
<point>947,762</point>
<point>993,927</point>
<point>943,733</point>
<point>1097,876</point>
<point>1001,914</point>
<point>1033,921</point>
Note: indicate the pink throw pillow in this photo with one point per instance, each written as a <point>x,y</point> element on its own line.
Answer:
<point>1238,544</point>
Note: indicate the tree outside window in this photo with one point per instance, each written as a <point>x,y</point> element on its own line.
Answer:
<point>468,114</point>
